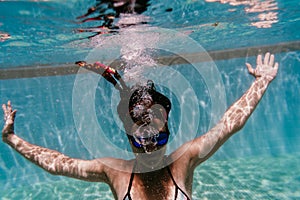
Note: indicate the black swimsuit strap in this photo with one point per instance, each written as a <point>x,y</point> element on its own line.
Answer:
<point>176,191</point>
<point>130,183</point>
<point>177,187</point>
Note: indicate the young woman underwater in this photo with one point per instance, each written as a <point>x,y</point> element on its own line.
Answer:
<point>144,113</point>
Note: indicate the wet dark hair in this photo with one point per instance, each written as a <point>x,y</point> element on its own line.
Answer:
<point>135,107</point>
<point>139,104</point>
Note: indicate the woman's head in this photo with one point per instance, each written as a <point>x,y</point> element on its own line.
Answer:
<point>143,110</point>
<point>146,103</point>
<point>144,115</point>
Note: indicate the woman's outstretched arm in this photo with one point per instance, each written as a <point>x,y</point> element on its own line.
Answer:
<point>236,116</point>
<point>52,161</point>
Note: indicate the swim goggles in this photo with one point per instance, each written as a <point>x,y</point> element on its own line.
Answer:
<point>159,139</point>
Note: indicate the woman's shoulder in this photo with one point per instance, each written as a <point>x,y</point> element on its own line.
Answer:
<point>116,165</point>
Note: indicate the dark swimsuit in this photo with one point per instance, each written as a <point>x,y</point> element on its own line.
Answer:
<point>179,193</point>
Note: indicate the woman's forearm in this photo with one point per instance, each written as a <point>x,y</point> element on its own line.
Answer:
<point>57,163</point>
<point>236,116</point>
<point>52,161</point>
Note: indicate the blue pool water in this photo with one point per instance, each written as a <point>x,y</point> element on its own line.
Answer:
<point>260,162</point>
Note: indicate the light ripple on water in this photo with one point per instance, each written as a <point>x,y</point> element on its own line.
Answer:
<point>244,178</point>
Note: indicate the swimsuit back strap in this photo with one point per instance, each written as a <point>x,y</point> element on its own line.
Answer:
<point>128,196</point>
<point>176,186</point>
<point>130,183</point>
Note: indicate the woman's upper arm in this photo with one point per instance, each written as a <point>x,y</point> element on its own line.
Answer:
<point>201,148</point>
<point>101,170</point>
<point>91,170</point>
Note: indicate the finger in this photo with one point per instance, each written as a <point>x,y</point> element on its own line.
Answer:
<point>271,62</point>
<point>13,114</point>
<point>266,59</point>
<point>5,111</point>
<point>9,109</point>
<point>259,60</point>
<point>4,108</point>
<point>276,66</point>
<point>250,69</point>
